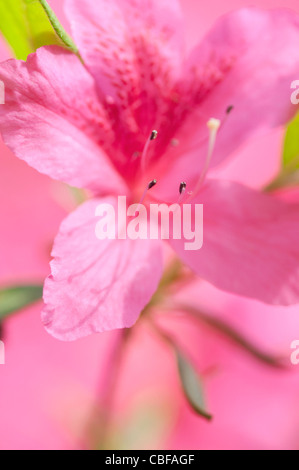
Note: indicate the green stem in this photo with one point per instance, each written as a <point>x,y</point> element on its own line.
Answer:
<point>58,28</point>
<point>98,426</point>
<point>233,335</point>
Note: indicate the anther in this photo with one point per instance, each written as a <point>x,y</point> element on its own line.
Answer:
<point>153,136</point>
<point>150,185</point>
<point>229,109</point>
<point>182,190</point>
<point>183,186</point>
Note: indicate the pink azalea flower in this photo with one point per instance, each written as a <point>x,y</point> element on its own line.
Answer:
<point>89,126</point>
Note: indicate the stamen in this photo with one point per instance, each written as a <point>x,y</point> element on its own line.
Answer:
<point>228,111</point>
<point>182,191</point>
<point>183,186</point>
<point>153,136</point>
<point>213,126</point>
<point>150,185</point>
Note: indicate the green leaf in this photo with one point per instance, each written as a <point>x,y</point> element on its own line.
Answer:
<point>289,172</point>
<point>30,24</point>
<point>15,298</point>
<point>192,385</point>
<point>291,146</point>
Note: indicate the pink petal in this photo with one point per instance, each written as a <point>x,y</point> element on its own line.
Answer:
<point>128,45</point>
<point>97,285</point>
<point>248,60</point>
<point>250,243</point>
<point>52,119</point>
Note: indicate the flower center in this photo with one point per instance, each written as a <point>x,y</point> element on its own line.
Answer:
<point>213,126</point>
